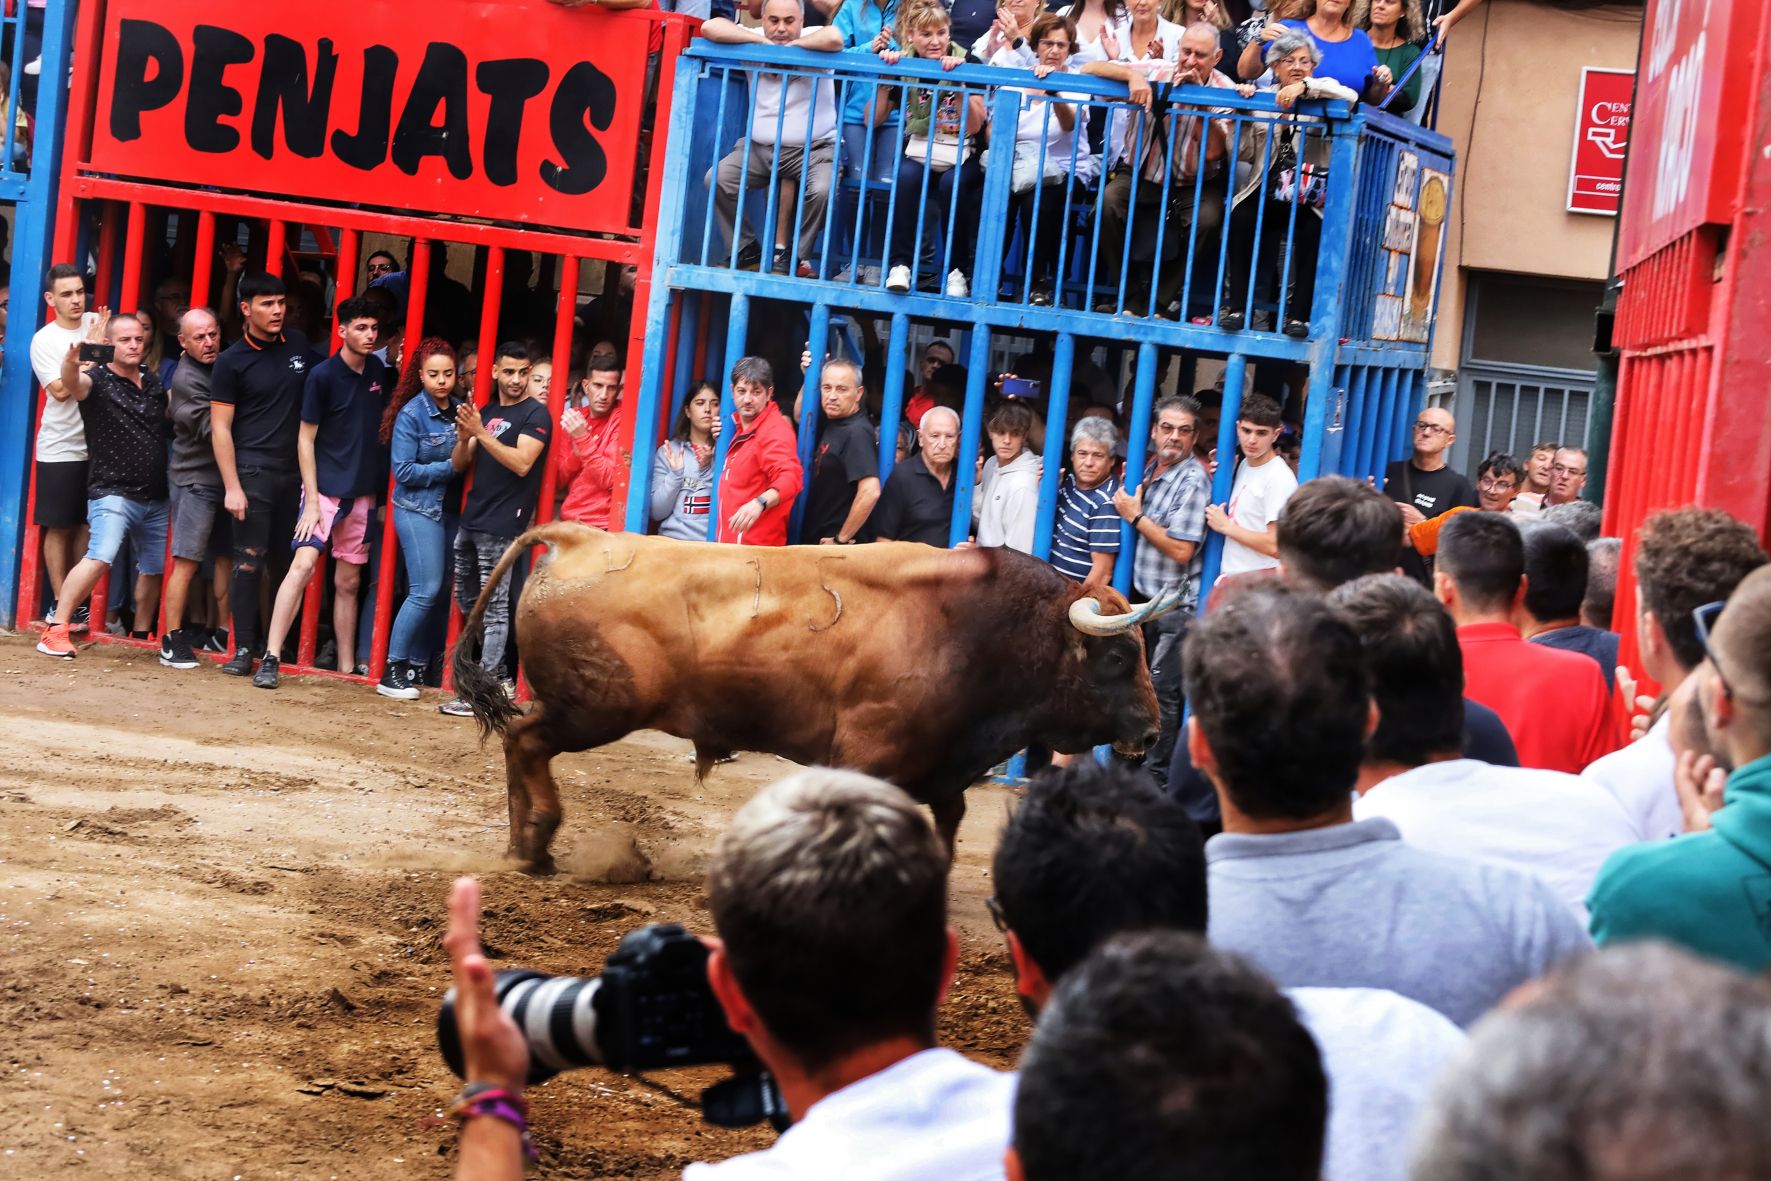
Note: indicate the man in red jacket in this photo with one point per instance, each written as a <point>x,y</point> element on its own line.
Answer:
<point>762,473</point>
<point>1553,702</point>
<point>590,459</point>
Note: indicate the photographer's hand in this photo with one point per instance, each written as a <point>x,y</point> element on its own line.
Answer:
<point>491,1045</point>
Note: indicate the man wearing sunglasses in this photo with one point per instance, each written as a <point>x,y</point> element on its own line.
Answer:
<point>380,263</point>
<point>1711,891</point>
<point>1685,558</point>
<point>1423,484</point>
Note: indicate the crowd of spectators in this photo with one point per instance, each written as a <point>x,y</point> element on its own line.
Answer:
<point>1171,178</point>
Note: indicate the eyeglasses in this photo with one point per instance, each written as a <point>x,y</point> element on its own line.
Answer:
<point>1169,428</point>
<point>1430,428</point>
<point>1705,618</point>
<point>1562,469</point>
<point>381,268</point>
<point>1493,485</point>
<point>996,915</point>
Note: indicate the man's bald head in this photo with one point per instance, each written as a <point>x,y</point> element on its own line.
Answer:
<point>1199,52</point>
<point>1434,430</point>
<point>199,335</point>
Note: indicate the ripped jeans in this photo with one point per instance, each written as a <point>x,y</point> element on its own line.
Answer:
<point>261,541</point>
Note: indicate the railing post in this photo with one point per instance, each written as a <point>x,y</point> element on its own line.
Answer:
<point>1137,440</point>
<point>1057,414</point>
<point>971,424</point>
<point>1235,376</point>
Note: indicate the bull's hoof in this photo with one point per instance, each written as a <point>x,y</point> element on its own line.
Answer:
<point>540,867</point>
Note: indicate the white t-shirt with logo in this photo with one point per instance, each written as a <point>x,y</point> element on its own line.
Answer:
<point>61,436</point>
<point>1255,500</point>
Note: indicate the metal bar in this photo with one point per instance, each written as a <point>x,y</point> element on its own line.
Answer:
<point>1235,376</point>
<point>891,398</point>
<point>1137,440</point>
<point>492,296</point>
<point>737,338</point>
<point>817,343</point>
<point>1057,414</point>
<point>965,471</point>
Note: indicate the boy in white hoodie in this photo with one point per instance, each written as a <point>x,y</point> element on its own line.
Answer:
<point>1008,487</point>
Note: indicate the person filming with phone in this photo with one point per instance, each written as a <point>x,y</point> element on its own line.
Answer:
<point>829,899</point>
<point>128,436</point>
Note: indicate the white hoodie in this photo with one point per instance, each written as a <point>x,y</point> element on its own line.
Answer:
<point>1007,502</point>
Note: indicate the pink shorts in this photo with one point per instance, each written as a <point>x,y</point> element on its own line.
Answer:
<point>344,526</point>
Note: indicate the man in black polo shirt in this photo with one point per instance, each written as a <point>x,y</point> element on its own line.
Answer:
<point>123,412</point>
<point>845,466</point>
<point>254,415</point>
<point>341,407</point>
<point>506,444</point>
<point>917,504</point>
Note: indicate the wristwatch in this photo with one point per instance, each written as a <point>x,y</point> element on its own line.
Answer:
<point>1136,519</point>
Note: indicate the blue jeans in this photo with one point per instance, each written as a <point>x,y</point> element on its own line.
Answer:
<point>426,552</point>
<point>111,519</point>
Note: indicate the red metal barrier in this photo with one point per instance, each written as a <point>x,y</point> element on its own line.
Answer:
<point>515,126</point>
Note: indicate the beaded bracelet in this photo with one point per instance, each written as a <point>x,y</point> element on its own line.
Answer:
<point>497,1103</point>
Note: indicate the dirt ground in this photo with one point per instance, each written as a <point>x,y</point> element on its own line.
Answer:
<point>221,911</point>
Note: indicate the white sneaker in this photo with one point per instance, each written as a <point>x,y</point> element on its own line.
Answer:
<point>898,279</point>
<point>957,287</point>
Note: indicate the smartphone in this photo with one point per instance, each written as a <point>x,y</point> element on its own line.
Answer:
<point>101,353</point>
<point>1020,387</point>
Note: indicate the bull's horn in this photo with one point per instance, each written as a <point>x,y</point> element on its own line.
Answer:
<point>1086,615</point>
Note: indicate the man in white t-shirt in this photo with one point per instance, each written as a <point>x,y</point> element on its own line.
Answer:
<point>1264,482</point>
<point>61,465</point>
<point>802,125</point>
<point>1685,558</point>
<point>829,894</point>
<point>1556,827</point>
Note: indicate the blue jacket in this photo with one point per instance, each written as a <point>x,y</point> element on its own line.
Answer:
<point>422,443</point>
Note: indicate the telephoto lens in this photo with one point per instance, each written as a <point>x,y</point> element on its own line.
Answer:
<point>557,1015</point>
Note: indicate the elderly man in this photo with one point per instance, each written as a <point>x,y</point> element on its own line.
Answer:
<point>1085,536</point>
<point>917,504</point>
<point>1568,477</point>
<point>761,476</point>
<point>1636,1064</point>
<point>800,126</point>
<point>123,410</point>
<point>844,483</point>
<point>1167,187</point>
<point>199,523</point>
<point>828,892</point>
<point>1423,484</point>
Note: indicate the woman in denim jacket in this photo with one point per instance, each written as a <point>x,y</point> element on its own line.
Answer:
<point>421,431</point>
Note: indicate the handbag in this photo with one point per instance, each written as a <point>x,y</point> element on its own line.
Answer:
<point>1305,183</point>
<point>941,151</point>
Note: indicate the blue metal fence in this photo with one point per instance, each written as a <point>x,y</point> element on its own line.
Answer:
<point>1238,219</point>
<point>28,175</point>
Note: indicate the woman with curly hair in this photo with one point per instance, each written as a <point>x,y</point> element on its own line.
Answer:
<point>421,433</point>
<point>1397,29</point>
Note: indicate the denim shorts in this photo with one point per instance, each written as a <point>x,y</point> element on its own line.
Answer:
<point>143,522</point>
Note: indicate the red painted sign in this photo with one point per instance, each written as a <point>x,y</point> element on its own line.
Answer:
<point>1601,137</point>
<point>1690,116</point>
<point>519,110</point>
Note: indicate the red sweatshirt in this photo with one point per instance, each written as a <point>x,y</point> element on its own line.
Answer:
<point>588,465</point>
<point>1553,702</point>
<point>764,456</point>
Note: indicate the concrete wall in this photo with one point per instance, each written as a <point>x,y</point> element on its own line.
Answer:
<point>1512,83</point>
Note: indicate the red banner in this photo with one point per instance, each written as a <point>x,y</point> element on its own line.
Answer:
<point>1601,136</point>
<point>516,111</point>
<point>1691,112</point>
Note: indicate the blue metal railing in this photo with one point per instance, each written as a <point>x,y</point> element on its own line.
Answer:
<point>28,173</point>
<point>1207,261</point>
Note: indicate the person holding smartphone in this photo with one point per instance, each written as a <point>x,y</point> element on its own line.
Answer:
<point>122,410</point>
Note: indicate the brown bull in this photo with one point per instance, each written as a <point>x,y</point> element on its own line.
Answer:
<point>925,667</point>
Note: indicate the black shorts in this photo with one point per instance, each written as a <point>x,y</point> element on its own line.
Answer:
<point>61,494</point>
<point>201,526</point>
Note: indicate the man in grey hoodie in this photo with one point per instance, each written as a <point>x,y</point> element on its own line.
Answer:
<point>199,523</point>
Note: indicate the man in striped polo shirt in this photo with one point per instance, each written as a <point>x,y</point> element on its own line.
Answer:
<point>1085,538</point>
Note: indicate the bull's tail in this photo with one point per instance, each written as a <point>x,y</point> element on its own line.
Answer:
<point>479,687</point>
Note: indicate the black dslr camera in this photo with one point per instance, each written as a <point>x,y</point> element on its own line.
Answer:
<point>651,1008</point>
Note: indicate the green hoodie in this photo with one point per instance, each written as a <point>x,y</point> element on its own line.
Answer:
<point>1708,891</point>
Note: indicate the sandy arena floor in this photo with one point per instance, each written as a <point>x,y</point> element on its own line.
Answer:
<point>221,911</point>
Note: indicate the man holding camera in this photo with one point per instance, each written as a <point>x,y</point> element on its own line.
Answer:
<point>829,894</point>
